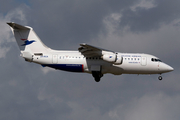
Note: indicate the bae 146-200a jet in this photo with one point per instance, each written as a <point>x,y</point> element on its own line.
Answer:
<point>88,59</point>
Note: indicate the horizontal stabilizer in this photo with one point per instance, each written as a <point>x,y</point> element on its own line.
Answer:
<point>17,26</point>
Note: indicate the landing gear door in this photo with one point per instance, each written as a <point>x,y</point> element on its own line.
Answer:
<point>143,61</point>
<point>95,68</point>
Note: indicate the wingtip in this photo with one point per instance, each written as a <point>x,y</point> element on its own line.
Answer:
<point>82,44</point>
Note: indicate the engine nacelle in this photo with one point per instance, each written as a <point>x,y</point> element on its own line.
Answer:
<point>113,58</point>
<point>109,57</point>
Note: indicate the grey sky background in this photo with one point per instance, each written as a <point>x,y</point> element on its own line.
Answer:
<point>28,91</point>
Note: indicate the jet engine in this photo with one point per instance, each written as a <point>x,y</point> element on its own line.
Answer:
<point>112,58</point>
<point>109,57</point>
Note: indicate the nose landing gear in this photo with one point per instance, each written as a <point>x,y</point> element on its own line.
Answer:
<point>160,77</point>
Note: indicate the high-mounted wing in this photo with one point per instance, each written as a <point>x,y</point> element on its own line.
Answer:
<point>92,51</point>
<point>89,50</point>
<point>106,55</point>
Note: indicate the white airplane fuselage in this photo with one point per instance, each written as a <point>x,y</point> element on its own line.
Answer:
<point>74,61</point>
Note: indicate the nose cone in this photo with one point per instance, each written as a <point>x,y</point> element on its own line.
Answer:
<point>166,68</point>
<point>169,68</point>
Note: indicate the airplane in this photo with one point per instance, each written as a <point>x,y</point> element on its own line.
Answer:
<point>88,58</point>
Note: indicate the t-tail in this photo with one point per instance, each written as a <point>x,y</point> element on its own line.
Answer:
<point>29,43</point>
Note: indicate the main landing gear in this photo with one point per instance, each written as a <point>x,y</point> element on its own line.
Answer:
<point>97,75</point>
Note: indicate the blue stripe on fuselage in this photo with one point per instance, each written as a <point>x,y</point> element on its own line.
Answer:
<point>67,67</point>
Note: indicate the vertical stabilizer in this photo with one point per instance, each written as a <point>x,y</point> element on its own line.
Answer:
<point>27,39</point>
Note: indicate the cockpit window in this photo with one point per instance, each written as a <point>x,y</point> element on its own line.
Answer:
<point>156,60</point>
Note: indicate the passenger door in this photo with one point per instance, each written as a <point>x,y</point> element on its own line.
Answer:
<point>55,59</point>
<point>143,61</point>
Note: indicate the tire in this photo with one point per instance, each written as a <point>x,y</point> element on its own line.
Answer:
<point>160,77</point>
<point>97,75</point>
<point>97,79</point>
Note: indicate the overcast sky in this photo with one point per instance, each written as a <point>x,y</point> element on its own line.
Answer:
<point>30,92</point>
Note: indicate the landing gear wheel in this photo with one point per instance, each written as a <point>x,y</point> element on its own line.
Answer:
<point>160,77</point>
<point>97,75</point>
<point>97,79</point>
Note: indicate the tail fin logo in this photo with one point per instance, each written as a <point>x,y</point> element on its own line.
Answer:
<point>27,42</point>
